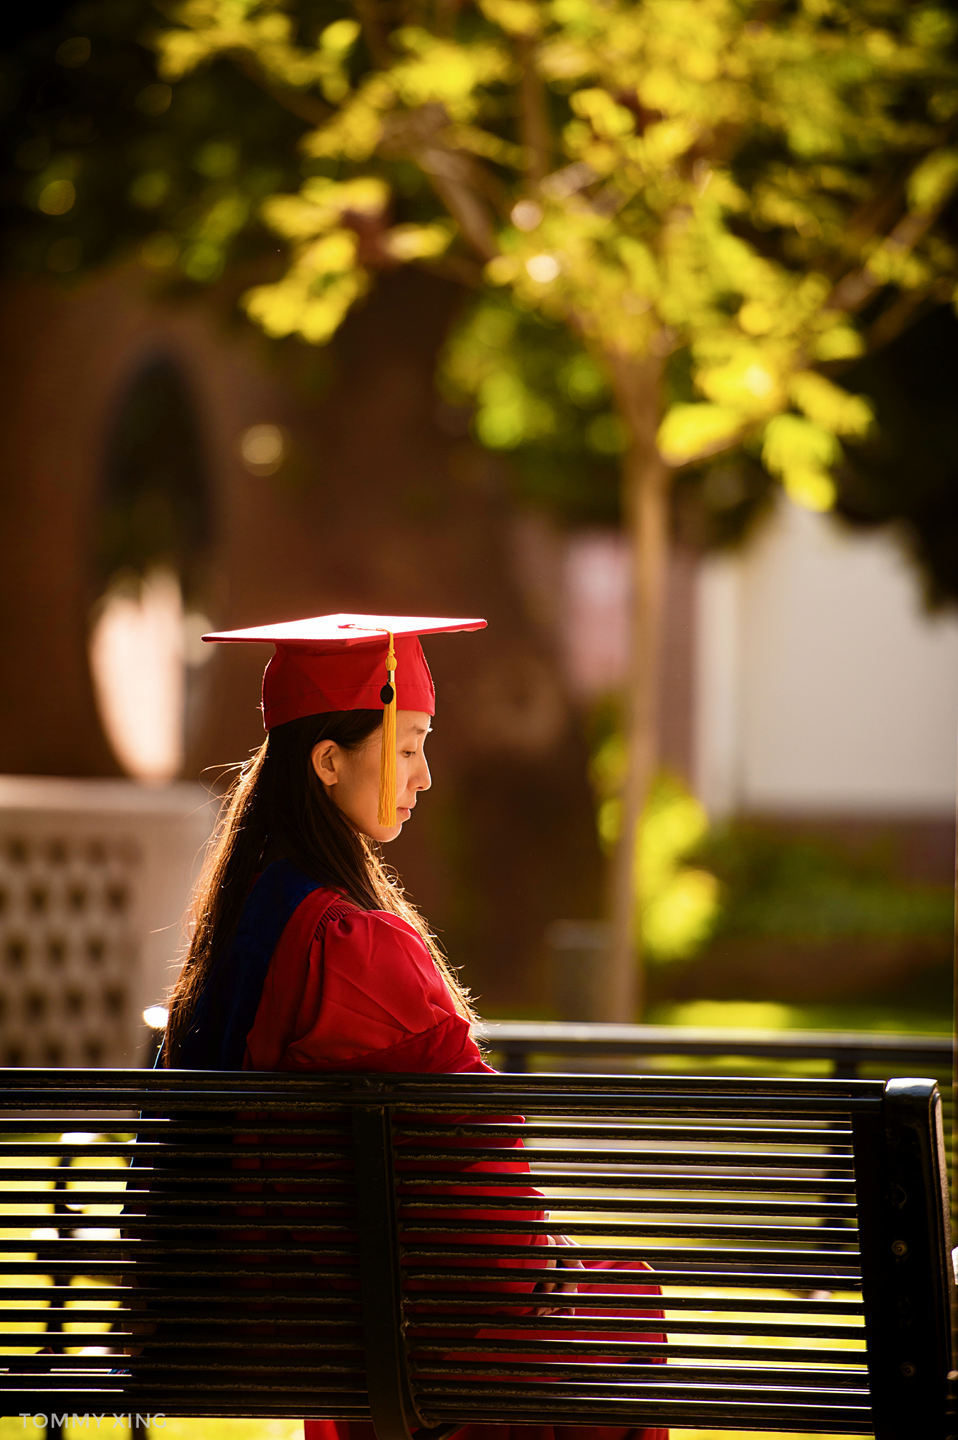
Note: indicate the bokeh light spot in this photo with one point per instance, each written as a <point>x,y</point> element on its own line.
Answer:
<point>203,262</point>
<point>526,215</point>
<point>57,197</point>
<point>149,189</point>
<point>608,434</point>
<point>136,656</point>
<point>263,449</point>
<point>542,268</point>
<point>216,159</point>
<point>758,381</point>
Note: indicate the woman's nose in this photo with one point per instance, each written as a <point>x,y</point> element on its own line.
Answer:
<point>423,777</point>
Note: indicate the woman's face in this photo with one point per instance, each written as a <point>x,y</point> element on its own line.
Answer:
<point>351,777</point>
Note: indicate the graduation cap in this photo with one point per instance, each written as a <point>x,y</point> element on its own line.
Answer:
<point>350,662</point>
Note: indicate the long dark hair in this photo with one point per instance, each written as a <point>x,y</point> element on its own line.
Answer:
<point>278,808</point>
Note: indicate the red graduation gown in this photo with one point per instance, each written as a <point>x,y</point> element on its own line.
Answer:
<point>351,989</point>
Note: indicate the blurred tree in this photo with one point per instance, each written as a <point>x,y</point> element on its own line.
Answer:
<point>101,160</point>
<point>688,215</point>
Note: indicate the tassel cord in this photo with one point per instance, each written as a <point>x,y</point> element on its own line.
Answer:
<point>387,759</point>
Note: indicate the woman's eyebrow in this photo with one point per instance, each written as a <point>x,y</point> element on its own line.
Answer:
<point>421,730</point>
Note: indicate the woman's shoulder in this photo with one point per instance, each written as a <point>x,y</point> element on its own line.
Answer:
<point>371,984</point>
<point>331,941</point>
<point>375,944</point>
<point>350,918</point>
<point>326,911</point>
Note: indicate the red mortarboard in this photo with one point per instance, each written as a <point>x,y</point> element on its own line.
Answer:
<point>349,662</point>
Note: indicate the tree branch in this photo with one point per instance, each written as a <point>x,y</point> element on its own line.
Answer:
<point>457,268</point>
<point>367,12</point>
<point>721,447</point>
<point>890,324</point>
<point>457,178</point>
<point>854,290</point>
<point>483,180</point>
<point>873,216</point>
<point>534,128</point>
<point>444,171</point>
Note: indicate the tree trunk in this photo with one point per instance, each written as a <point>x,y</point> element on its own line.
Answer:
<point>645,479</point>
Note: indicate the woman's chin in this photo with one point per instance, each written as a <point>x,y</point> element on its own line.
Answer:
<point>381,834</point>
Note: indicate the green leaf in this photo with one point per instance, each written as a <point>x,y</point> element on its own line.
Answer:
<point>417,242</point>
<point>933,180</point>
<point>791,442</point>
<point>678,919</point>
<point>812,489</point>
<point>839,342</point>
<point>640,265</point>
<point>829,406</point>
<point>801,453</point>
<point>582,380</point>
<point>607,118</point>
<point>516,17</point>
<point>321,204</point>
<point>180,51</point>
<point>293,306</point>
<point>748,382</point>
<point>689,431</point>
<point>356,129</point>
<point>340,36</point>
<point>331,254</point>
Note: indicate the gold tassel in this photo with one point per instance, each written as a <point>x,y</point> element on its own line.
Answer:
<point>387,758</point>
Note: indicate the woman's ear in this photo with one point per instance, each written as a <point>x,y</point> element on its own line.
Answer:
<point>325,758</point>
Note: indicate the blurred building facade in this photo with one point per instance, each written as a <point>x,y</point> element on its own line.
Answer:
<point>93,878</point>
<point>826,694</point>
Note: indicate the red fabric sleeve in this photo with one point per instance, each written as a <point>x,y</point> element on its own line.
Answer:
<point>352,989</point>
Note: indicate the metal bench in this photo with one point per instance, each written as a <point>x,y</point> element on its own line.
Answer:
<point>522,1045</point>
<point>201,1244</point>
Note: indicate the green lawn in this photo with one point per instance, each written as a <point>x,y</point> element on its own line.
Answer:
<point>861,1016</point>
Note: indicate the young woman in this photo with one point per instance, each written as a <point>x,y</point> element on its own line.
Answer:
<point>298,928</point>
<point>305,954</point>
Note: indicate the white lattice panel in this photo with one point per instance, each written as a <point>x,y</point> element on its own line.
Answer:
<point>94,880</point>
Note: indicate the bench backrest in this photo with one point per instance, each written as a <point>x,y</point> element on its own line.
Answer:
<point>362,1247</point>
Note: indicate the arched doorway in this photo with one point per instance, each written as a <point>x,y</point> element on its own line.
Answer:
<point>152,530</point>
